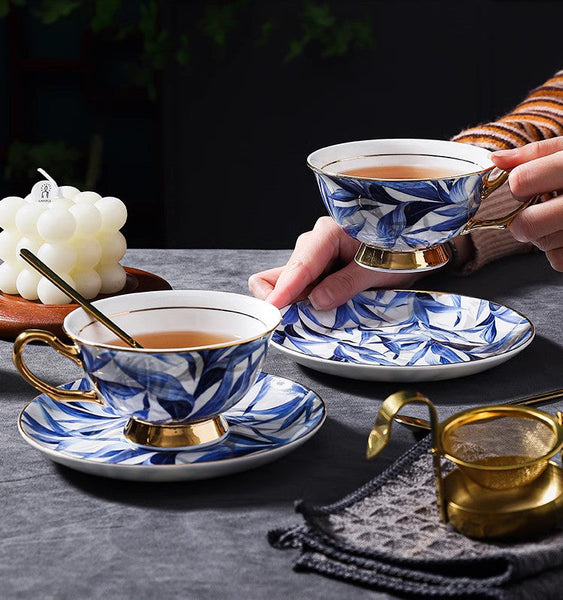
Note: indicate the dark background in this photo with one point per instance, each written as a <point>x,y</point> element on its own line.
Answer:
<point>206,140</point>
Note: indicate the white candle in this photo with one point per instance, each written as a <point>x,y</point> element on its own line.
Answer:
<point>27,282</point>
<point>61,257</point>
<point>56,224</point>
<point>8,208</point>
<point>50,294</point>
<point>27,216</point>
<point>88,220</point>
<point>113,278</point>
<point>8,276</point>
<point>75,233</point>
<point>88,253</point>
<point>88,282</point>
<point>8,242</point>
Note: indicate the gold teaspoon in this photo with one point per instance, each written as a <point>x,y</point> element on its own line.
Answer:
<point>417,423</point>
<point>57,281</point>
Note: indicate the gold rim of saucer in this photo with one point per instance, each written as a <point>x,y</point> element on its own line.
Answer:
<point>170,436</point>
<point>378,259</point>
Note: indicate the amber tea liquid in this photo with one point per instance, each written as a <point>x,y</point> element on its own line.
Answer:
<point>402,172</point>
<point>177,339</point>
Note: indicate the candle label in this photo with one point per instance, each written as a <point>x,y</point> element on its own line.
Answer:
<point>44,191</point>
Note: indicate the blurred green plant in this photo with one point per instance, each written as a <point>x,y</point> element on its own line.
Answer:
<point>335,37</point>
<point>314,26</point>
<point>55,157</point>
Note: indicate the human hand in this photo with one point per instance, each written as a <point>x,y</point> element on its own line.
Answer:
<point>322,268</point>
<point>537,168</point>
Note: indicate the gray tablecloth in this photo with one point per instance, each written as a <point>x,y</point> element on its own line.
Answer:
<point>69,535</point>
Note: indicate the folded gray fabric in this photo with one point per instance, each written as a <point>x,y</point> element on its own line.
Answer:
<point>387,536</point>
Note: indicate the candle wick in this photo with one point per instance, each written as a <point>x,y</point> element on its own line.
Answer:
<point>48,177</point>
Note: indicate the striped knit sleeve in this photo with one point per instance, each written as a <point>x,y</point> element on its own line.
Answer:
<point>538,117</point>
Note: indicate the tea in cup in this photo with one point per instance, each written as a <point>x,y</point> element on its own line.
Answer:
<point>202,352</point>
<point>403,199</point>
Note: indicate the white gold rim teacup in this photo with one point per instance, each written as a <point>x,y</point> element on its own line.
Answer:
<point>172,397</point>
<point>404,224</point>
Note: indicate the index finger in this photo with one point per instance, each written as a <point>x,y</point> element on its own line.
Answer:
<point>314,252</point>
<point>508,159</point>
<point>539,176</point>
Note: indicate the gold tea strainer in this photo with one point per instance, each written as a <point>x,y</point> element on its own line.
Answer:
<point>503,483</point>
<point>501,447</point>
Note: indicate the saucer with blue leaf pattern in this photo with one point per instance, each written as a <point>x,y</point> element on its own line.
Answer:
<point>275,417</point>
<point>402,335</point>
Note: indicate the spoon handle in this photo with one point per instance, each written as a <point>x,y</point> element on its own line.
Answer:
<point>417,423</point>
<point>47,272</point>
<point>539,398</point>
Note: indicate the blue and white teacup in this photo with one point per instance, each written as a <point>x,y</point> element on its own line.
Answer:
<point>173,397</point>
<point>402,222</point>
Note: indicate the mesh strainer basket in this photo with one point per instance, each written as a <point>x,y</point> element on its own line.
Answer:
<point>501,447</point>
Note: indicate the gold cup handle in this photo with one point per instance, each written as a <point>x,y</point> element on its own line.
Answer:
<point>499,222</point>
<point>70,351</point>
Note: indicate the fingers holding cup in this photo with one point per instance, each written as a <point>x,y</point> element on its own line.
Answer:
<point>536,168</point>
<point>542,225</point>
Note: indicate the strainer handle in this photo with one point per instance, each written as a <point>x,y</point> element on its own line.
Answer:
<point>381,432</point>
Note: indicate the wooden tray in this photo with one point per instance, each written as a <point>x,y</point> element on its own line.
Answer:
<point>18,314</point>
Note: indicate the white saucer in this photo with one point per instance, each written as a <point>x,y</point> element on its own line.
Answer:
<point>399,335</point>
<point>274,418</point>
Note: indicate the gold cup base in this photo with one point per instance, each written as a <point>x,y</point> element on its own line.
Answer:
<point>170,437</point>
<point>378,259</point>
<point>519,512</point>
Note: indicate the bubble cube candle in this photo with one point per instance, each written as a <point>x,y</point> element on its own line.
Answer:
<point>75,233</point>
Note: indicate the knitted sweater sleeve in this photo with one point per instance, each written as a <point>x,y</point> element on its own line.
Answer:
<point>538,117</point>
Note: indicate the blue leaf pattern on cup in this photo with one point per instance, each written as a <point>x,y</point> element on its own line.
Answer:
<point>404,328</point>
<point>274,413</point>
<point>183,386</point>
<point>401,215</point>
